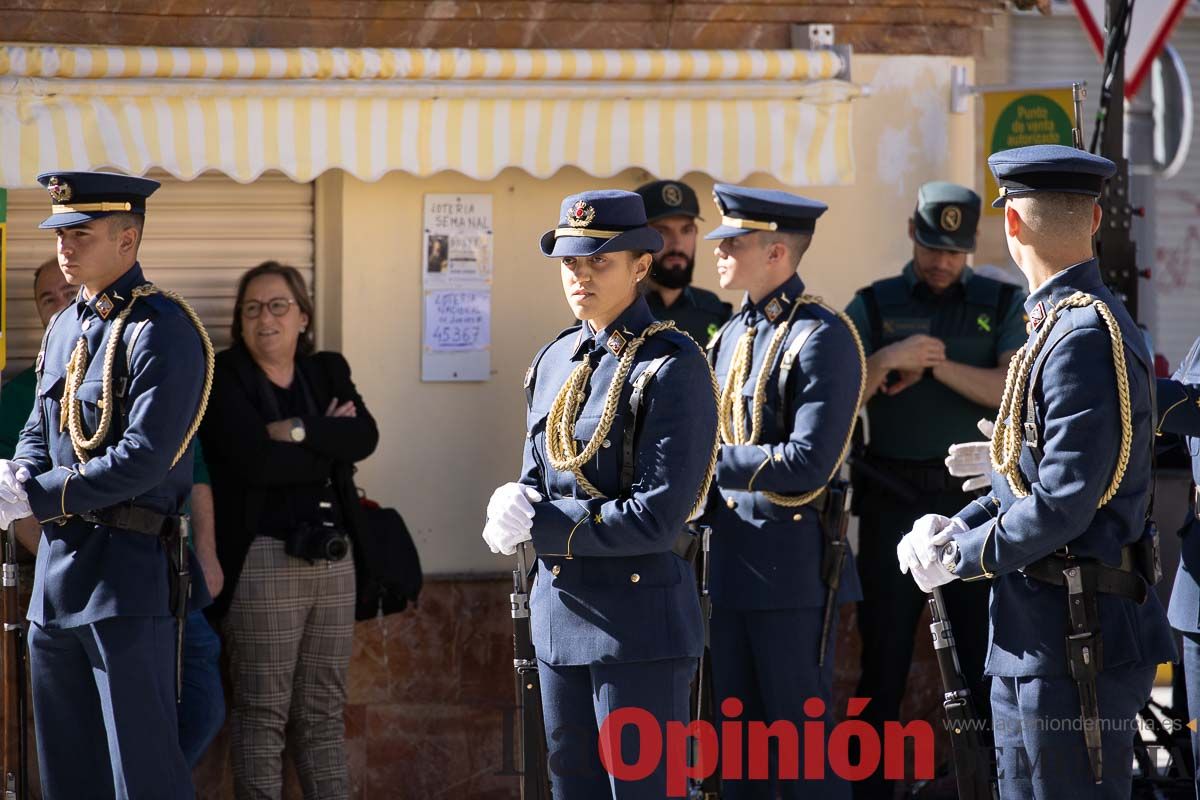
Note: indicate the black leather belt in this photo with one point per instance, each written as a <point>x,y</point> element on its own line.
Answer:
<point>128,517</point>
<point>922,476</point>
<point>1124,581</point>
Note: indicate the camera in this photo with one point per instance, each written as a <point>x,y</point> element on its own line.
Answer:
<point>322,540</point>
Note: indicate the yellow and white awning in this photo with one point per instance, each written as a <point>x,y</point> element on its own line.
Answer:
<point>303,111</point>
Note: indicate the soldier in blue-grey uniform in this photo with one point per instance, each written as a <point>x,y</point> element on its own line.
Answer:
<point>672,209</point>
<point>1179,413</point>
<point>792,374</point>
<point>1064,535</point>
<point>105,465</point>
<point>619,454</point>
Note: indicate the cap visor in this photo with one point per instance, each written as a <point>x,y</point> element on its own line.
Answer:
<point>68,220</point>
<point>728,232</point>
<point>941,241</point>
<point>638,240</point>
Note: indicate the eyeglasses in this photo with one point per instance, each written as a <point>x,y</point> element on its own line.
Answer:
<point>278,306</point>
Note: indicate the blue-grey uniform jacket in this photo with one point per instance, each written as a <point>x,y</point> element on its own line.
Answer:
<point>1179,412</point>
<point>85,572</point>
<point>1078,436</point>
<point>765,555</point>
<point>609,588</point>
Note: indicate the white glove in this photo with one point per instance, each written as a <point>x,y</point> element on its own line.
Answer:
<point>917,549</point>
<point>12,475</point>
<point>11,512</point>
<point>930,577</point>
<point>920,550</point>
<point>503,539</point>
<point>511,505</point>
<point>973,460</point>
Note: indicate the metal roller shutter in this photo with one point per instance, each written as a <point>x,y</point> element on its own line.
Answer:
<point>201,235</point>
<point>1055,48</point>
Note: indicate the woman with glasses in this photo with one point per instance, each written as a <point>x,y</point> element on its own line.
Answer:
<point>285,426</point>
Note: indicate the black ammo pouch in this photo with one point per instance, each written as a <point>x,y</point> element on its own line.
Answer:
<point>687,544</point>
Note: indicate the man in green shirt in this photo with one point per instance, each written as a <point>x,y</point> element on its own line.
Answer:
<point>938,340</point>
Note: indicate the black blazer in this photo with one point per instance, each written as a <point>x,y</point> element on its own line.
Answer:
<point>244,461</point>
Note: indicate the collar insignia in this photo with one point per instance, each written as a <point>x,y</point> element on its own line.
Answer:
<point>616,343</point>
<point>104,306</point>
<point>773,309</point>
<point>1038,315</point>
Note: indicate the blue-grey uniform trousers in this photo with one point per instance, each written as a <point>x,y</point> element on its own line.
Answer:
<point>104,710</point>
<point>1040,750</point>
<point>767,659</point>
<point>1191,674</point>
<point>575,702</point>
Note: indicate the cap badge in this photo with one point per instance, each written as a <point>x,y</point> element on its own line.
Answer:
<point>104,306</point>
<point>60,190</point>
<point>581,214</point>
<point>671,195</point>
<point>616,343</point>
<point>773,309</point>
<point>951,218</point>
<point>1038,315</point>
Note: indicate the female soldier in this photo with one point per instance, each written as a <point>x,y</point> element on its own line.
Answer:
<point>621,450</point>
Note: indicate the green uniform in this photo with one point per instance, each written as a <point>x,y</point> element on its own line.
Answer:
<point>978,319</point>
<point>698,312</point>
<point>16,399</point>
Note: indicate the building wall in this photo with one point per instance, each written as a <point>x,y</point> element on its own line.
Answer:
<point>446,446</point>
<point>949,27</point>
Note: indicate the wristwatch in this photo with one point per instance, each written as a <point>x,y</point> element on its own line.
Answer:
<point>949,556</point>
<point>297,432</point>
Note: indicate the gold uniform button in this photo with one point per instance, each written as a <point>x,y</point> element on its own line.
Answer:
<point>797,517</point>
<point>731,503</point>
<point>555,570</point>
<point>607,444</point>
<point>634,578</point>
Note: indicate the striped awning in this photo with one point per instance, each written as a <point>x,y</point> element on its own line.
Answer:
<point>369,111</point>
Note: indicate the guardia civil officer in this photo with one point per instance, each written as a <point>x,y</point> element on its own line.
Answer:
<point>1179,412</point>
<point>105,464</point>
<point>620,452</point>
<point>1076,631</point>
<point>672,210</point>
<point>938,339</point>
<point>792,374</point>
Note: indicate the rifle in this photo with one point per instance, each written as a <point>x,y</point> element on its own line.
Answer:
<point>972,767</point>
<point>12,654</point>
<point>535,779</point>
<point>702,701</point>
<point>835,521</point>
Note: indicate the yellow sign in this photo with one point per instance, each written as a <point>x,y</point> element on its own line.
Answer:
<point>1021,118</point>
